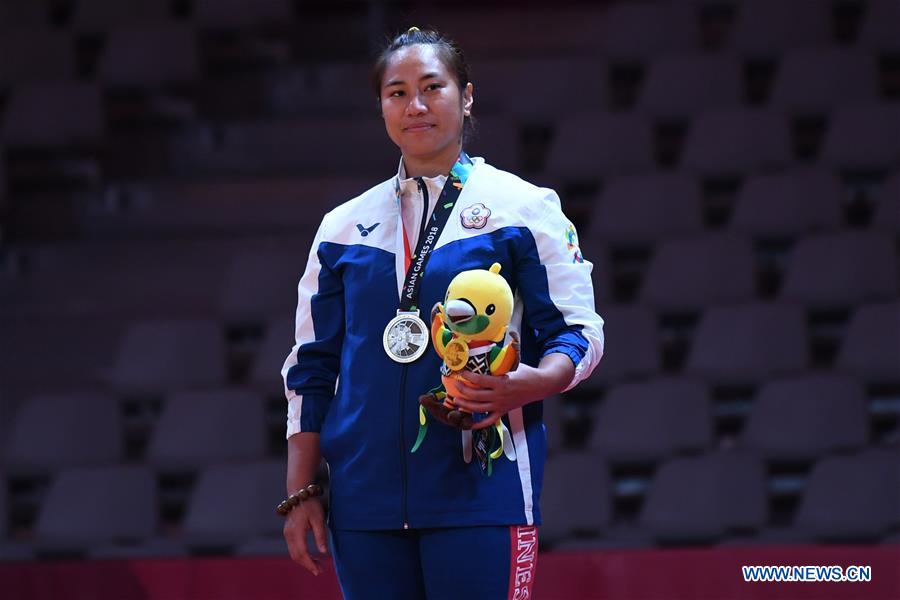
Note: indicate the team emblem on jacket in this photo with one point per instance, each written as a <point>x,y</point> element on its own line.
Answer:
<point>572,244</point>
<point>475,216</point>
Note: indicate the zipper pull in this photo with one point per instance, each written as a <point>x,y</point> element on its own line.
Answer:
<point>405,525</point>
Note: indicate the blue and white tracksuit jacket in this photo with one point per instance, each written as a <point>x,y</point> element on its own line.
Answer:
<point>340,382</point>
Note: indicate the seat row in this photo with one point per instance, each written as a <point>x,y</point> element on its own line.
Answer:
<point>626,31</point>
<point>722,497</point>
<point>791,418</point>
<point>708,498</point>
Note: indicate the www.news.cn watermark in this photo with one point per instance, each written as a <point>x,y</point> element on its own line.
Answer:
<point>819,573</point>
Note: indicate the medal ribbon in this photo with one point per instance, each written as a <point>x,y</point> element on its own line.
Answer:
<point>415,269</point>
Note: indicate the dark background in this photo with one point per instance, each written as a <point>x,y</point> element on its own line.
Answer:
<point>733,168</point>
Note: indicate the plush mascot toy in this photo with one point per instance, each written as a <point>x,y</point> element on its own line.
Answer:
<point>468,330</point>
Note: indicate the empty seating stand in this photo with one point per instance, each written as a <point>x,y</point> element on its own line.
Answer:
<point>681,86</point>
<point>247,511</point>
<point>818,80</point>
<point>96,505</point>
<point>737,141</point>
<point>749,343</point>
<point>807,416</point>
<point>208,427</point>
<point>634,345</point>
<point>690,274</point>
<point>649,421</point>
<point>871,347</point>
<point>576,496</point>
<point>643,209</point>
<point>148,56</point>
<point>852,498</point>
<point>52,432</point>
<point>701,499</point>
<point>863,137</point>
<point>161,355</point>
<point>838,270</point>
<point>765,29</point>
<point>790,203</point>
<point>35,54</point>
<point>590,146</point>
<point>54,114</point>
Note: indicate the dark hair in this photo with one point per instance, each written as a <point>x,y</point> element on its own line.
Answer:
<point>447,51</point>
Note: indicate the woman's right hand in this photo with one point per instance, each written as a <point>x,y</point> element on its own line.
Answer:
<point>307,515</point>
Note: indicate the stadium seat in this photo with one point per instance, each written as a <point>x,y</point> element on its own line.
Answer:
<point>700,499</point>
<point>300,146</point>
<point>161,355</point>
<point>328,88</point>
<point>749,343</point>
<point>496,139</point>
<point>590,146</point>
<point>87,506</point>
<point>54,115</point>
<point>788,203</point>
<point>146,56</point>
<point>18,14</point>
<point>633,342</point>
<point>237,14</point>
<point>681,86</point>
<point>35,54</point>
<point>90,346</point>
<point>863,137</point>
<point>887,205</point>
<point>852,498</point>
<point>695,272</point>
<point>639,31</point>
<point>643,209</point>
<point>51,432</point>
<point>649,421</point>
<point>838,270</point>
<point>819,80</point>
<point>200,428</point>
<point>807,416</point>
<point>246,511</point>
<point>576,496</point>
<point>881,26</point>
<point>276,344</point>
<point>871,347</point>
<point>100,16</point>
<point>737,141</point>
<point>506,86</point>
<point>261,283</point>
<point>769,28</point>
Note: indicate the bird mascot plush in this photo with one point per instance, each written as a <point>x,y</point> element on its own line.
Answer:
<point>468,331</point>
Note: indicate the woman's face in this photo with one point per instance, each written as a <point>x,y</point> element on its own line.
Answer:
<point>422,105</point>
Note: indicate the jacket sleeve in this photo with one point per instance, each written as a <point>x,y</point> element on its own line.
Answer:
<point>311,370</point>
<point>555,285</point>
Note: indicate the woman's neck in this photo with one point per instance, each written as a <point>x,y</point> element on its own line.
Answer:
<point>432,166</point>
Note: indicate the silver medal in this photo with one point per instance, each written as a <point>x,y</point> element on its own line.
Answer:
<point>406,337</point>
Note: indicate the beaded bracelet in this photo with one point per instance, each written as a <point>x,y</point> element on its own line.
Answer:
<point>287,505</point>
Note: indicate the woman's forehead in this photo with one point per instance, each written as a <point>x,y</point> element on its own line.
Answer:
<point>414,61</point>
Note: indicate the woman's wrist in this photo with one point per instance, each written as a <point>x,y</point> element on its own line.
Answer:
<point>302,495</point>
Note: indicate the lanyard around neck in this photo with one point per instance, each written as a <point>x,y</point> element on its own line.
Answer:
<point>415,263</point>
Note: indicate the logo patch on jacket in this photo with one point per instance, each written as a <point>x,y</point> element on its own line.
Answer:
<point>475,216</point>
<point>364,231</point>
<point>572,244</point>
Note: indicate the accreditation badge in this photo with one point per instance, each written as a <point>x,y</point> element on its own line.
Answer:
<point>405,337</point>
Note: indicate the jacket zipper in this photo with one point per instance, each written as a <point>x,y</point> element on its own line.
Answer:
<point>403,447</point>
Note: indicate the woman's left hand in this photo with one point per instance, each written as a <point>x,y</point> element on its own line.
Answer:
<point>499,394</point>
